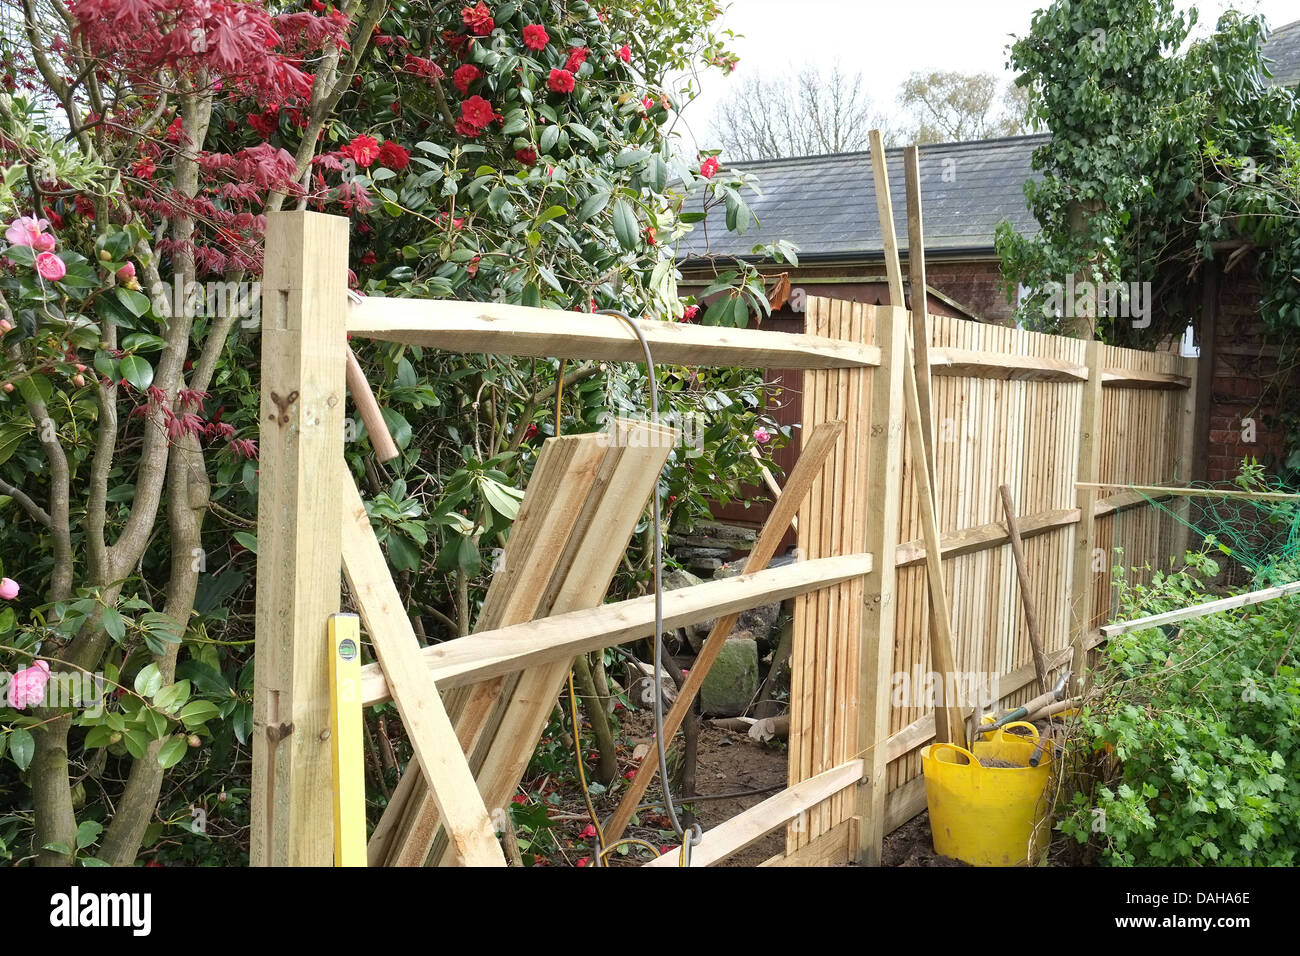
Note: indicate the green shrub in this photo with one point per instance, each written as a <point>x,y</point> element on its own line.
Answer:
<point>1188,753</point>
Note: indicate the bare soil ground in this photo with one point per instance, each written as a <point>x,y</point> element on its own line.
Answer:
<point>729,763</point>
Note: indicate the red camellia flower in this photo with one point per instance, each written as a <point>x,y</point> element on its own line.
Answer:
<point>464,76</point>
<point>709,167</point>
<point>478,19</point>
<point>266,122</point>
<point>527,155</point>
<point>477,112</point>
<point>577,57</point>
<point>394,156</point>
<point>363,150</point>
<point>648,104</point>
<point>560,81</point>
<point>535,37</point>
<point>368,259</point>
<point>468,129</point>
<point>625,53</point>
<point>690,312</point>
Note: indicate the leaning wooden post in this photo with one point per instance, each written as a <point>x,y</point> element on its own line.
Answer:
<point>884,439</point>
<point>919,304</point>
<point>304,341</point>
<point>1083,576</point>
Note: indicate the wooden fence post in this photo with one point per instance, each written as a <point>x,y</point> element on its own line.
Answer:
<point>884,438</point>
<point>304,341</point>
<point>1083,577</point>
<point>1189,367</point>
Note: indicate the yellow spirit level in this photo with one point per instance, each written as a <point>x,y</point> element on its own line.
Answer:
<point>345,733</point>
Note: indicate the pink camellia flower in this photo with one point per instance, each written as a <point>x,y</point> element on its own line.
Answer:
<point>50,266</point>
<point>28,685</point>
<point>709,168</point>
<point>690,312</point>
<point>127,272</point>
<point>762,435</point>
<point>535,37</point>
<point>29,231</point>
<point>8,589</point>
<point>625,53</point>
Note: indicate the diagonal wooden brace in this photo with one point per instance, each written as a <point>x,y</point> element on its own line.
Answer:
<point>433,738</point>
<point>811,459</point>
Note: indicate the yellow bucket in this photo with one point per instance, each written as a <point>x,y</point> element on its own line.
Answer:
<point>989,816</point>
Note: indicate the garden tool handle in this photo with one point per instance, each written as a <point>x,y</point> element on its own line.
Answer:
<point>364,400</point>
<point>1036,757</point>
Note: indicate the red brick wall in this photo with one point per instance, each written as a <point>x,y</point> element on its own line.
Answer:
<point>976,285</point>
<point>1247,382</point>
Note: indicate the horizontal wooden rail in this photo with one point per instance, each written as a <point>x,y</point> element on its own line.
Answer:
<point>1201,610</point>
<point>970,363</point>
<point>750,826</point>
<point>549,333</point>
<point>1114,504</point>
<point>985,536</point>
<point>489,654</point>
<point>994,534</point>
<point>1133,378</point>
<point>1167,491</point>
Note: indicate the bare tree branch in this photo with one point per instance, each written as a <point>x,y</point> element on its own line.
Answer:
<point>959,107</point>
<point>804,114</point>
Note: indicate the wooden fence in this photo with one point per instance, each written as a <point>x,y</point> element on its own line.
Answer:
<point>1036,412</point>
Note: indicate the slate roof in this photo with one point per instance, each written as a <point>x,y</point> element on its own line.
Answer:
<point>826,205</point>
<point>1283,48</point>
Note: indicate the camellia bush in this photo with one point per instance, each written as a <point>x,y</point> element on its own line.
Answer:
<point>510,152</point>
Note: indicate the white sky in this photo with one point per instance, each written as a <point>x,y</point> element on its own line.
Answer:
<point>887,40</point>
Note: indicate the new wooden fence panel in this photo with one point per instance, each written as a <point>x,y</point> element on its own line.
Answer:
<point>989,431</point>
<point>1142,443</point>
<point>828,624</point>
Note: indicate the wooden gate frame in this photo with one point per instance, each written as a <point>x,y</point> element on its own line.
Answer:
<point>475,706</point>
<point>312,526</point>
